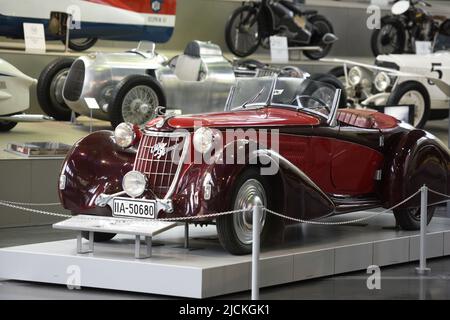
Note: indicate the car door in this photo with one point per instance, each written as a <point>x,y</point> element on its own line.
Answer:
<point>343,160</point>
<point>355,160</point>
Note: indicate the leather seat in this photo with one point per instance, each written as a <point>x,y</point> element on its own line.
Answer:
<point>368,119</point>
<point>189,64</point>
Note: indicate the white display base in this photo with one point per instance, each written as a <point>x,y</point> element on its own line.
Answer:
<point>206,270</point>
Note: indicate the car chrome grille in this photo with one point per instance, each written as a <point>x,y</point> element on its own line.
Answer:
<point>155,158</point>
<point>74,82</point>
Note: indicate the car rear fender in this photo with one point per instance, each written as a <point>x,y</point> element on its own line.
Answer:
<point>415,159</point>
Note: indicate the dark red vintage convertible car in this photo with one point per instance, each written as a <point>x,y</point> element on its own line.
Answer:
<point>327,161</point>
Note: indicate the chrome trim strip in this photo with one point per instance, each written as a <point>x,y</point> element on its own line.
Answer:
<point>332,122</point>
<point>271,154</point>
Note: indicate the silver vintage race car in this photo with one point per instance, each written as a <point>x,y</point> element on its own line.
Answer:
<point>130,86</point>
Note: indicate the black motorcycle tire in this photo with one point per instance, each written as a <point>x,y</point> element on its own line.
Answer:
<point>228,32</point>
<point>376,50</point>
<point>316,39</point>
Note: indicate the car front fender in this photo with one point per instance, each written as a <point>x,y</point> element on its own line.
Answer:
<point>94,165</point>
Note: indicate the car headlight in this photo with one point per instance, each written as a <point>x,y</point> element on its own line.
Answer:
<point>382,81</point>
<point>134,183</point>
<point>355,76</point>
<point>203,139</point>
<point>124,135</point>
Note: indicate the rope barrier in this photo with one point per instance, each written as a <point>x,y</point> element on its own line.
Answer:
<point>342,222</point>
<point>31,204</point>
<point>20,206</point>
<point>48,213</point>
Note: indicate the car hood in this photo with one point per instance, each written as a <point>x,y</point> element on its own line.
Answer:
<point>128,60</point>
<point>411,60</point>
<point>263,117</point>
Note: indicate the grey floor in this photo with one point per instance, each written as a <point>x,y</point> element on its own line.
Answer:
<point>397,282</point>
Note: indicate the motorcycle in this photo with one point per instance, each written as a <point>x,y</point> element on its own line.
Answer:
<point>252,24</point>
<point>408,23</point>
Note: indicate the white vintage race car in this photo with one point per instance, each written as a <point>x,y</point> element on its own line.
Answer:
<point>15,97</point>
<point>402,79</point>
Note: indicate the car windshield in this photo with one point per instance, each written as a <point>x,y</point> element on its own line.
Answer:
<point>286,92</point>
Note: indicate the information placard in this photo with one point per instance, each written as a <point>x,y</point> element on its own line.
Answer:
<point>279,51</point>
<point>34,35</point>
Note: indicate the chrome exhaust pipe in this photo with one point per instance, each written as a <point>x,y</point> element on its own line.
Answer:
<point>329,38</point>
<point>26,118</point>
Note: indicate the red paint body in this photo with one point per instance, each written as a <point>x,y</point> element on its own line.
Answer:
<point>141,6</point>
<point>323,170</point>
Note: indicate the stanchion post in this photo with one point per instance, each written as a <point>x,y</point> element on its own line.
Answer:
<point>257,213</point>
<point>448,203</point>
<point>186,235</point>
<point>68,25</point>
<point>422,269</point>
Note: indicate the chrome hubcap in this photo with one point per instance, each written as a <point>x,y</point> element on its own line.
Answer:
<point>415,98</point>
<point>57,86</point>
<point>242,222</point>
<point>139,105</point>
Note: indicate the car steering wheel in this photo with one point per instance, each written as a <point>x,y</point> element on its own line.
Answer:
<point>297,98</point>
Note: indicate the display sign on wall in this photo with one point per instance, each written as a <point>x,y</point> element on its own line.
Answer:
<point>34,35</point>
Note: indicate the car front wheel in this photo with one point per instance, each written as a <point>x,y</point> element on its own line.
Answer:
<point>412,93</point>
<point>409,218</point>
<point>50,89</point>
<point>135,100</point>
<point>6,125</point>
<point>235,230</point>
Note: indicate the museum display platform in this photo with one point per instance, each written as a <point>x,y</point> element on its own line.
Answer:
<point>206,270</point>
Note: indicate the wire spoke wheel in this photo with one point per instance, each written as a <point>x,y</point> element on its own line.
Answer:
<point>245,198</point>
<point>242,31</point>
<point>139,104</point>
<point>415,98</point>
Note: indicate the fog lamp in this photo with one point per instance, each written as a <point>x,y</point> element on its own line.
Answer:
<point>134,183</point>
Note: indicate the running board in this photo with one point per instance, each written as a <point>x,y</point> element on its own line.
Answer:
<point>26,118</point>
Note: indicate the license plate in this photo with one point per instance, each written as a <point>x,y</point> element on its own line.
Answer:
<point>125,207</point>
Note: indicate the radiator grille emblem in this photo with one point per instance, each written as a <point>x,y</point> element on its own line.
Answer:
<point>159,150</point>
